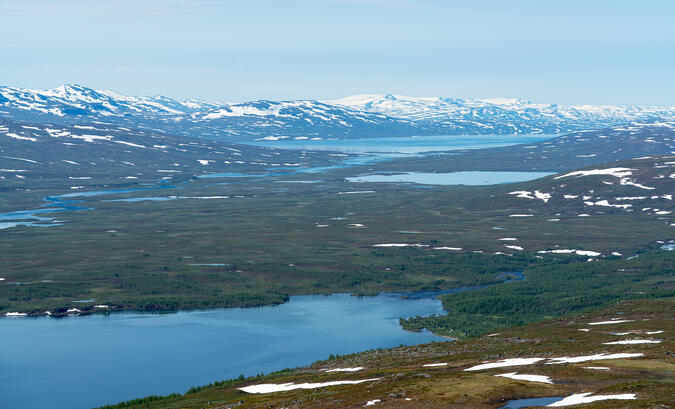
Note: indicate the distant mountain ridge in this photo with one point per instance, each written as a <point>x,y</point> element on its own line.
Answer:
<point>358,116</point>
<point>521,115</point>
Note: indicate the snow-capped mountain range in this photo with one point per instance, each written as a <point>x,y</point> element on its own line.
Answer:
<point>357,116</point>
<point>519,114</point>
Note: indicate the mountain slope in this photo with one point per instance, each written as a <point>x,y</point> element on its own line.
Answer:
<point>358,116</point>
<point>62,156</point>
<point>75,104</point>
<point>500,115</point>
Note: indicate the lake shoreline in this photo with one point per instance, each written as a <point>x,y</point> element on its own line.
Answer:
<point>98,309</point>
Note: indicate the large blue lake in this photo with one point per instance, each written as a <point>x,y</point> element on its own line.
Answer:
<point>82,362</point>
<point>405,144</point>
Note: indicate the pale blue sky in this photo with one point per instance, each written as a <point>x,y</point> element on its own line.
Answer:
<point>567,51</point>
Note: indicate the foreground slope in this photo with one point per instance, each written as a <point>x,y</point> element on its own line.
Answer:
<point>589,354</point>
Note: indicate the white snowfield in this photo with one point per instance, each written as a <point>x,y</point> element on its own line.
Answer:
<point>505,363</point>
<point>616,172</point>
<point>372,402</point>
<point>633,342</point>
<point>435,365</point>
<point>355,369</point>
<point>356,192</point>
<point>524,377</point>
<point>400,245</point>
<point>545,197</point>
<point>551,361</point>
<point>447,108</point>
<point>571,251</point>
<point>609,322</point>
<point>282,387</point>
<point>580,398</point>
<point>16,314</point>
<point>597,357</point>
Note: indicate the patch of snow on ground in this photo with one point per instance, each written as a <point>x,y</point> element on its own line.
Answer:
<point>580,398</point>
<point>597,357</point>
<point>531,378</point>
<point>400,245</point>
<point>135,145</point>
<point>616,172</point>
<point>355,369</point>
<point>571,251</point>
<point>271,387</point>
<point>609,322</point>
<point>607,204</point>
<point>372,402</point>
<point>435,365</point>
<point>504,363</point>
<point>532,195</point>
<point>356,192</point>
<point>633,341</point>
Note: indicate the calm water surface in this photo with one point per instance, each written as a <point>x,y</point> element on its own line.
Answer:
<point>81,362</point>
<point>453,178</point>
<point>531,402</point>
<point>406,144</point>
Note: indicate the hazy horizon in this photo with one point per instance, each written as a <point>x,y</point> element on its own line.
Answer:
<point>486,99</point>
<point>603,53</point>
